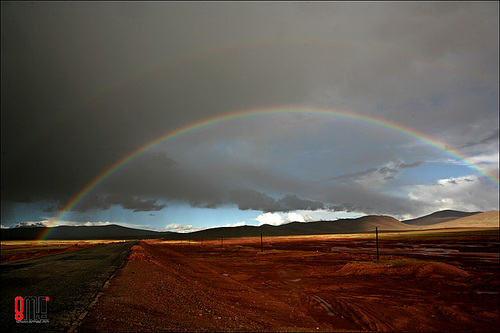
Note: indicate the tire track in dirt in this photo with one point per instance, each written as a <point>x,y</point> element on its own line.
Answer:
<point>327,313</point>
<point>366,318</point>
<point>344,312</point>
<point>325,305</point>
<point>190,270</point>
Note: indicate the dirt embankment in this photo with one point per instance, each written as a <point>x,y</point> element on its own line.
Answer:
<point>179,287</point>
<point>408,268</point>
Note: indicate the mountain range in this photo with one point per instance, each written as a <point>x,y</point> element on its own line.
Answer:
<point>439,217</point>
<point>437,220</point>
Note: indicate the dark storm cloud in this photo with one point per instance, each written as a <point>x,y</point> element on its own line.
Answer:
<point>104,202</point>
<point>490,139</point>
<point>410,165</point>
<point>86,83</point>
<point>51,209</point>
<point>355,174</point>
<point>131,203</point>
<point>388,171</point>
<point>359,198</point>
<point>250,199</point>
<point>292,202</point>
<point>135,204</point>
<point>391,171</point>
<point>155,175</point>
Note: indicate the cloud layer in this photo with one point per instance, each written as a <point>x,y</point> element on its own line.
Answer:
<point>85,84</point>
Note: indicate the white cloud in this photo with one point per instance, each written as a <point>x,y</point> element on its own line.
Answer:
<point>486,159</point>
<point>376,177</point>
<point>270,218</point>
<point>466,193</point>
<point>50,223</point>
<point>93,224</point>
<point>191,228</point>
<point>305,216</point>
<point>327,215</point>
<point>295,217</point>
<point>278,219</point>
<point>182,228</point>
<point>236,224</point>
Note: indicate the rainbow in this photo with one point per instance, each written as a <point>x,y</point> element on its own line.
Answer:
<point>426,139</point>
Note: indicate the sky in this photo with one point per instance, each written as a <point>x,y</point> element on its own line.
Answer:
<point>346,109</point>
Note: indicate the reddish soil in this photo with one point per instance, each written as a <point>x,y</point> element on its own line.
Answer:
<point>303,284</point>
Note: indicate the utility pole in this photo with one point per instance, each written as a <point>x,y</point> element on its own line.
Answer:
<point>376,237</point>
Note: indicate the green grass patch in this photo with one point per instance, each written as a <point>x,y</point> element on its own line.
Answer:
<point>394,262</point>
<point>244,247</point>
<point>252,263</point>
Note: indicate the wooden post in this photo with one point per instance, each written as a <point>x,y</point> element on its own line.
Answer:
<point>376,237</point>
<point>261,246</point>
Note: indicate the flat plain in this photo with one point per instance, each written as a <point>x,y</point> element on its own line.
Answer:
<point>13,250</point>
<point>426,281</point>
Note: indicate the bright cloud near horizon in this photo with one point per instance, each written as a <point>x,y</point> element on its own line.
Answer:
<point>85,84</point>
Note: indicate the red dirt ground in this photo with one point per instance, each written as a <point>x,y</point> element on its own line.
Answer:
<point>303,284</point>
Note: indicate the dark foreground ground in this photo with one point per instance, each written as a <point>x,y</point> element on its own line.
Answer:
<point>425,282</point>
<point>71,280</point>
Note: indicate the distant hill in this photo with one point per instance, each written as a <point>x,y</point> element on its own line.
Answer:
<point>81,232</point>
<point>344,226</point>
<point>438,217</point>
<point>442,219</point>
<point>362,224</point>
<point>481,220</point>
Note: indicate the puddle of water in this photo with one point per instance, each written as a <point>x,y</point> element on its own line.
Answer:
<point>487,292</point>
<point>418,249</point>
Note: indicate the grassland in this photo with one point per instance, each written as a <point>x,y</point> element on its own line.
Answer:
<point>16,250</point>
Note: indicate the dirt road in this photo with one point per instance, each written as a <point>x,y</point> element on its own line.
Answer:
<point>70,280</point>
